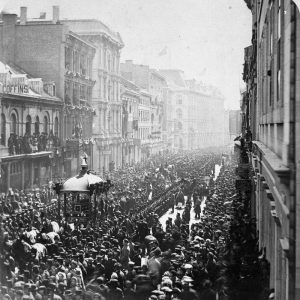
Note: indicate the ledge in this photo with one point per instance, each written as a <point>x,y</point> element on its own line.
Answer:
<point>285,245</point>
<point>24,156</point>
<point>275,216</point>
<point>269,195</point>
<point>273,161</point>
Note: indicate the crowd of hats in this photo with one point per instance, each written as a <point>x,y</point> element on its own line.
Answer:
<point>128,254</point>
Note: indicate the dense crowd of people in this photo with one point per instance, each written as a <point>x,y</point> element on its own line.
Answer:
<point>31,143</point>
<point>128,253</point>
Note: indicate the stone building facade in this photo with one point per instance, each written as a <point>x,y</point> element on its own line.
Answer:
<point>145,124</point>
<point>154,83</point>
<point>30,125</point>
<point>235,123</point>
<point>48,49</point>
<point>131,150</point>
<point>106,96</point>
<point>194,115</point>
<point>272,104</point>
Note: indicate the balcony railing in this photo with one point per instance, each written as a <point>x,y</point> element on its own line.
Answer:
<point>27,144</point>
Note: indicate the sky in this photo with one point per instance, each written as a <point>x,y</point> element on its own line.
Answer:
<point>203,38</point>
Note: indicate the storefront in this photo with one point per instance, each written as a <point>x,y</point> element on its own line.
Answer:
<point>25,171</point>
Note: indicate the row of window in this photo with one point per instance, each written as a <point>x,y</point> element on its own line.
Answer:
<point>29,129</point>
<point>82,63</point>
<point>15,168</point>
<point>77,62</point>
<point>74,92</point>
<point>144,133</point>
<point>144,101</point>
<point>144,115</point>
<point>109,60</point>
<point>108,89</point>
<point>269,57</point>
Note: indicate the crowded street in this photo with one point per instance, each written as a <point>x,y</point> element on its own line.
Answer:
<point>149,150</point>
<point>182,242</point>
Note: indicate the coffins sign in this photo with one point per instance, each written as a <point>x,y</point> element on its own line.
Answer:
<point>13,85</point>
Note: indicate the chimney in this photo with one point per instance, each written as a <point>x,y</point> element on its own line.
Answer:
<point>23,15</point>
<point>55,14</point>
<point>8,37</point>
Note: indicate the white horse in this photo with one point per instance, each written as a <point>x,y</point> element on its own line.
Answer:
<point>55,226</point>
<point>53,235</point>
<point>41,250</point>
<point>31,235</point>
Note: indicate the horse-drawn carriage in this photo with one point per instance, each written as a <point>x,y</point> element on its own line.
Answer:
<point>77,201</point>
<point>78,195</point>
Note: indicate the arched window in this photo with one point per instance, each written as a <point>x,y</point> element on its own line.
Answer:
<point>37,125</point>
<point>46,124</point>
<point>56,126</point>
<point>3,130</point>
<point>28,125</point>
<point>179,125</point>
<point>179,99</point>
<point>13,124</point>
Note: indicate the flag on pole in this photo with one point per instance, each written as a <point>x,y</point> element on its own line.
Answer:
<point>164,51</point>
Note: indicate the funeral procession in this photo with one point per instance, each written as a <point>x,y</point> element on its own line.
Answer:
<point>149,150</point>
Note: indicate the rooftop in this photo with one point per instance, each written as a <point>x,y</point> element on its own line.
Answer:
<point>93,27</point>
<point>9,74</point>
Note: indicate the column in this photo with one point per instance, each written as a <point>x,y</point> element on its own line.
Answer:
<point>32,174</point>
<point>23,175</point>
<point>100,164</point>
<point>99,127</point>
<point>117,119</point>
<point>119,155</point>
<point>104,163</point>
<point>8,175</point>
<point>104,119</point>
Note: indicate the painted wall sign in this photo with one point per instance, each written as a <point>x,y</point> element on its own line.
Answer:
<point>15,89</point>
<point>13,85</point>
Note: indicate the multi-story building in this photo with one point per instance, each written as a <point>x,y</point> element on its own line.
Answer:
<point>207,112</point>
<point>31,115</point>
<point>106,98</point>
<point>144,130</point>
<point>272,102</point>
<point>227,139</point>
<point>48,49</point>
<point>235,123</point>
<point>195,114</point>
<point>154,83</point>
<point>130,95</point>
